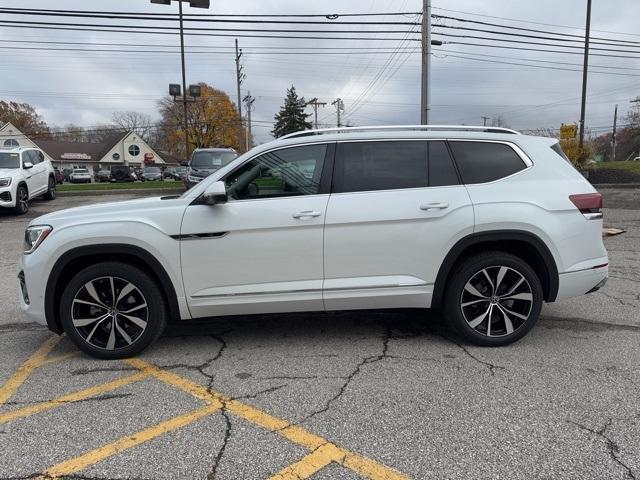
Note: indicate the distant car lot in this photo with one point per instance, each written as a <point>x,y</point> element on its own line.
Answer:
<point>361,394</point>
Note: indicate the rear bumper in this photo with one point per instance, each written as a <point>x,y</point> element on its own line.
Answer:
<point>573,284</point>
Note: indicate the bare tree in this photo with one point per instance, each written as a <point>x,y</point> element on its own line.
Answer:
<point>137,122</point>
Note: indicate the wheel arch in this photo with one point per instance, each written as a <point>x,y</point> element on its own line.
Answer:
<point>526,245</point>
<point>74,260</point>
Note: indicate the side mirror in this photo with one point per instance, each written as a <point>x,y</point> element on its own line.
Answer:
<point>27,165</point>
<point>215,194</point>
<point>184,164</point>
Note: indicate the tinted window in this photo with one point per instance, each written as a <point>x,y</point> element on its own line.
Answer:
<point>33,157</point>
<point>365,166</point>
<point>281,173</point>
<point>211,159</point>
<point>441,169</point>
<point>481,162</point>
<point>9,160</point>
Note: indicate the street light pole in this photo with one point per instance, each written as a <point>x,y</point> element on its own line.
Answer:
<point>184,87</point>
<point>585,70</point>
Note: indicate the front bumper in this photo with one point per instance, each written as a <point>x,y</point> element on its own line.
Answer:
<point>7,197</point>
<point>32,286</point>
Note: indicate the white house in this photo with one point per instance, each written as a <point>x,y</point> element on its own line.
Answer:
<point>124,148</point>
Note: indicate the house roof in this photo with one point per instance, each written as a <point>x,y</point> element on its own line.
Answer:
<point>93,152</point>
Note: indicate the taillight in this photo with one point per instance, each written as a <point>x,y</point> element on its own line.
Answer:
<point>589,204</point>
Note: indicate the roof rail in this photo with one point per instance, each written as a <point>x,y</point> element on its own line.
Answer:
<point>460,128</point>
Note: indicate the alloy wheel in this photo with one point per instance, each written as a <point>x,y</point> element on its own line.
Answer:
<point>52,188</point>
<point>23,200</point>
<point>496,301</point>
<point>109,313</point>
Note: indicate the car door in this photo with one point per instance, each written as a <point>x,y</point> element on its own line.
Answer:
<point>396,209</point>
<point>32,175</point>
<point>262,250</point>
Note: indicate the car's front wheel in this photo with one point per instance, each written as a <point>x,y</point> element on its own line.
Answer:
<point>51,190</point>
<point>493,298</point>
<point>113,310</point>
<point>22,200</point>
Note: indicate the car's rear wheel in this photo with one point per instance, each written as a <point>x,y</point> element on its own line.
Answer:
<point>22,200</point>
<point>493,298</point>
<point>51,190</point>
<point>113,310</point>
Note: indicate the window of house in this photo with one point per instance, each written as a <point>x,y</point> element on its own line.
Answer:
<point>134,150</point>
<point>12,142</point>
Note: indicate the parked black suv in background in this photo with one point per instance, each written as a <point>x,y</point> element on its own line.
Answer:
<point>205,161</point>
<point>122,173</point>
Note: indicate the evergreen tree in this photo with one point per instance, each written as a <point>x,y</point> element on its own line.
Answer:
<point>291,117</point>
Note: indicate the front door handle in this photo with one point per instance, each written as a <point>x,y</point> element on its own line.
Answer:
<point>434,206</point>
<point>306,214</point>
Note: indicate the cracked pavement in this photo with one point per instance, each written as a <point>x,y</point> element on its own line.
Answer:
<point>395,386</point>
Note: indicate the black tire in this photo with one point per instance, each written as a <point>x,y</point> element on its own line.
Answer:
<point>22,200</point>
<point>51,191</point>
<point>101,276</point>
<point>470,295</point>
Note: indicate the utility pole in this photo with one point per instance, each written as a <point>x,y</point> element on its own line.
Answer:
<point>613,138</point>
<point>315,104</point>
<point>584,78</point>
<point>425,97</point>
<point>484,120</point>
<point>239,78</point>
<point>339,104</point>
<point>248,100</point>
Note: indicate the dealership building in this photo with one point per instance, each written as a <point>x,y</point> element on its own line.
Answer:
<point>124,148</point>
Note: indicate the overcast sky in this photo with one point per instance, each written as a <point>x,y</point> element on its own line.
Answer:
<point>86,87</point>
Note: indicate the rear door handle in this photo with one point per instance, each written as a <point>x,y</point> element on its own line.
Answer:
<point>434,206</point>
<point>306,214</point>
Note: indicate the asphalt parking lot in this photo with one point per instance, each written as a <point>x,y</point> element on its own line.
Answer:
<point>381,395</point>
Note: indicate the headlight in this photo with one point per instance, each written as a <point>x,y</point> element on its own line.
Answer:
<point>34,236</point>
<point>5,182</point>
<point>193,179</point>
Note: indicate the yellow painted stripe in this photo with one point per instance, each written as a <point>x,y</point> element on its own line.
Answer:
<point>94,456</point>
<point>59,358</point>
<point>362,465</point>
<point>27,368</point>
<point>71,397</point>
<point>309,465</point>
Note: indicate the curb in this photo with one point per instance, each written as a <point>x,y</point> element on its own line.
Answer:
<point>124,191</point>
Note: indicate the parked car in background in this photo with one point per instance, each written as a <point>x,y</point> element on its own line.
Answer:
<point>180,173</point>
<point>205,161</point>
<point>122,173</point>
<point>169,174</point>
<point>483,223</point>
<point>80,175</point>
<point>59,175</point>
<point>151,174</point>
<point>67,173</point>
<point>102,176</point>
<point>25,173</point>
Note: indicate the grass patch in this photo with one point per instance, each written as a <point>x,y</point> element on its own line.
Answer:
<point>82,187</point>
<point>630,166</point>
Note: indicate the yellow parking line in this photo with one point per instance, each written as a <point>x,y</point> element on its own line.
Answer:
<point>71,397</point>
<point>362,465</point>
<point>309,465</point>
<point>34,361</point>
<point>59,358</point>
<point>94,456</point>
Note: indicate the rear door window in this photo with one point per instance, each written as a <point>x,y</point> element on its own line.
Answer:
<point>481,162</point>
<point>442,172</point>
<point>370,166</point>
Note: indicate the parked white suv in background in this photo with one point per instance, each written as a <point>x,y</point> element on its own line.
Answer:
<point>25,173</point>
<point>481,222</point>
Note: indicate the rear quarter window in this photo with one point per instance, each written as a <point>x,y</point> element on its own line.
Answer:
<point>481,162</point>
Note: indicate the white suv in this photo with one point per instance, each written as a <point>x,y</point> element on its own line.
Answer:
<point>25,173</point>
<point>481,222</point>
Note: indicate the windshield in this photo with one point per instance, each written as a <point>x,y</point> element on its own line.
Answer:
<point>152,170</point>
<point>9,160</point>
<point>80,170</point>
<point>212,159</point>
